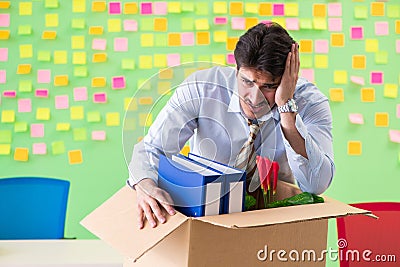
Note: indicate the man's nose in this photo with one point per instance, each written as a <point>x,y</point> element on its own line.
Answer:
<point>255,95</point>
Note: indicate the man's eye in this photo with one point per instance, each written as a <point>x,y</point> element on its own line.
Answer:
<point>249,83</point>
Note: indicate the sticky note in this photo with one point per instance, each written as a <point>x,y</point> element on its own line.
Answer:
<point>173,60</point>
<point>43,114</point>
<point>120,44</point>
<point>147,40</point>
<point>160,61</point>
<point>371,45</point>
<point>96,30</point>
<point>334,9</point>
<point>78,42</point>
<point>76,113</point>
<point>49,35</point>
<point>358,61</point>
<point>220,7</point>
<point>78,23</point>
<point>37,130</point>
<point>250,22</point>
<point>61,102</point>
<point>336,94</point>
<point>79,58</point>
<point>145,62</point>
<point>114,25</point>
<point>231,43</point>
<point>381,119</point>
<point>24,68</point>
<point>187,24</point>
<point>20,127</point>
<point>75,157</point>
<point>51,20</point>
<point>160,8</point>
<point>3,54</point>
<point>58,147</point>
<point>145,119</point>
<point>218,59</point>
<point>187,38</point>
<point>5,136</point>
<point>4,4</point>
<point>4,20</point>
<point>60,57</point>
<point>79,134</point>
<point>393,11</point>
<point>278,9</point>
<point>98,135</point>
<point>306,24</point>
<point>162,88</point>
<point>127,64</point>
<point>130,25</point>
<point>390,90</point>
<point>80,94</point>
<point>63,127</point>
<point>394,136</point>
<point>114,8</point>
<point>93,116</point>
<point>236,8</point>
<point>43,93</point>
<point>3,77</point>
<point>357,80</point>
<point>98,82</point>
<point>146,8</point>
<point>100,97</point>
<point>99,57</point>
<point>251,8</point>
<point>319,23</point>
<point>367,95</point>
<point>357,32</point>
<point>44,76</point>
<point>201,24</point>
<point>354,148</point>
<point>118,82</point>
<point>99,6</point>
<point>44,56</point>
<point>112,119</point>
<point>238,23</point>
<point>220,36</point>
<point>25,8</point>
<point>160,24</point>
<point>340,77</point>
<point>319,10</point>
<point>337,39</point>
<point>24,105</point>
<point>78,6</point>
<point>381,57</point>
<point>130,8</point>
<point>4,34</point>
<point>230,59</point>
<point>306,46</point>
<point>321,61</point>
<point>306,61</point>
<point>5,149</point>
<point>25,51</point>
<point>130,104</point>
<point>25,86</point>
<point>376,77</point>
<point>220,20</point>
<point>321,46</point>
<point>361,12</point>
<point>7,116</point>
<point>146,24</point>
<point>356,118</point>
<point>166,74</point>
<point>377,9</point>
<point>161,40</point>
<point>397,27</point>
<point>186,7</point>
<point>308,74</point>
<point>381,28</point>
<point>61,80</point>
<point>174,39</point>
<point>39,149</point>
<point>10,93</point>
<point>265,9</point>
<point>201,8</point>
<point>21,154</point>
<point>334,24</point>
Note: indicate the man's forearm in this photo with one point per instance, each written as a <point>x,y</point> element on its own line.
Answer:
<point>292,135</point>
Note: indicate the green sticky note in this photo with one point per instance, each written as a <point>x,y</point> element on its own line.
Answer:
<point>306,24</point>
<point>80,71</point>
<point>20,127</point>
<point>202,8</point>
<point>79,134</point>
<point>58,147</point>
<point>25,86</point>
<point>51,3</point>
<point>93,116</point>
<point>187,6</point>
<point>361,12</point>
<point>381,57</point>
<point>161,40</point>
<point>144,84</point>
<point>205,58</point>
<point>187,58</point>
<point>78,23</point>
<point>128,64</point>
<point>147,24</point>
<point>393,11</point>
<point>24,30</point>
<point>306,61</point>
<point>44,56</point>
<point>5,136</point>
<point>187,24</point>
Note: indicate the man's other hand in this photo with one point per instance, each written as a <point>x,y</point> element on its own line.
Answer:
<point>152,201</point>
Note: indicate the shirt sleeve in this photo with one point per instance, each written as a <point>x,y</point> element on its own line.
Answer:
<point>315,125</point>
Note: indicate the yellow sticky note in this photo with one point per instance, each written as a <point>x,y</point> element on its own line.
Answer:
<point>76,113</point>
<point>130,8</point>
<point>43,114</point>
<point>62,127</point>
<point>24,69</point>
<point>8,116</point>
<point>78,6</point>
<point>231,43</point>
<point>337,39</point>
<point>390,90</point>
<point>145,100</point>
<point>220,7</point>
<point>319,23</point>
<point>95,30</point>
<point>5,149</point>
<point>321,61</point>
<point>291,9</point>
<point>114,25</point>
<point>265,9</point>
<point>220,36</point>
<point>201,24</point>
<point>60,57</point>
<point>98,82</point>
<point>218,59</point>
<point>147,40</point>
<point>340,77</point>
<point>319,10</point>
<point>280,20</point>
<point>367,95</point>
<point>336,94</point>
<point>145,62</point>
<point>174,39</point>
<point>25,8</point>
<point>130,104</point>
<point>51,20</point>
<point>306,46</point>
<point>164,88</point>
<point>21,154</point>
<point>112,119</point>
<point>359,61</point>
<point>236,8</point>
<point>185,150</point>
<point>79,58</point>
<point>174,7</point>
<point>4,4</point>
<point>75,157</point>
<point>4,34</point>
<point>377,9</point>
<point>250,22</point>
<point>61,80</point>
<point>99,57</point>
<point>25,51</point>
<point>99,6</point>
<point>145,119</point>
<point>371,45</point>
<point>251,8</point>
<point>354,148</point>
<point>49,35</point>
<point>381,119</point>
<point>160,61</point>
<point>160,24</point>
<point>78,42</point>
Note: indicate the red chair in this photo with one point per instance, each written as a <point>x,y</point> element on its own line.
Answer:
<point>365,241</point>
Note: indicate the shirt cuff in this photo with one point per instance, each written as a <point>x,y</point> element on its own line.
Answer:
<point>302,129</point>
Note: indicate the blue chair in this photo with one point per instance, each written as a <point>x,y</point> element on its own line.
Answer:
<point>33,208</point>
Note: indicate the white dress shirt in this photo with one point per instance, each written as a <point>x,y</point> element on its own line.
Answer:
<point>205,111</point>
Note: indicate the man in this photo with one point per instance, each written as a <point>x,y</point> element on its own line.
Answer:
<point>216,108</point>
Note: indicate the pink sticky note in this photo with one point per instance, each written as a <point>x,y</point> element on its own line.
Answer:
<point>44,76</point>
<point>238,23</point>
<point>322,46</point>
<point>335,24</point>
<point>308,74</point>
<point>357,33</point>
<point>4,20</point>
<point>376,77</point>
<point>292,24</point>
<point>24,105</point>
<point>100,97</point>
<point>62,102</point>
<point>381,28</point>
<point>398,111</point>
<point>394,136</point>
<point>130,25</point>
<point>120,44</point>
<point>10,93</point>
<point>98,135</point>
<point>37,130</point>
<point>114,8</point>
<point>160,8</point>
<point>80,94</point>
<point>118,82</point>
<point>42,93</point>
<point>356,118</point>
<point>3,54</point>
<point>173,60</point>
<point>357,80</point>
<point>335,9</point>
<point>146,8</point>
<point>3,76</point>
<point>397,46</point>
<point>278,9</point>
<point>187,38</point>
<point>99,44</point>
<point>39,148</point>
<point>230,59</point>
<point>220,20</point>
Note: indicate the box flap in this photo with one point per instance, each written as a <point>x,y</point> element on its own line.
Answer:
<point>115,222</point>
<point>330,209</point>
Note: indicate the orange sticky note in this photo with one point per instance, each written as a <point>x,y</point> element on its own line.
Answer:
<point>99,6</point>
<point>359,62</point>
<point>319,10</point>
<point>49,35</point>
<point>61,80</point>
<point>231,43</point>
<point>377,9</point>
<point>95,30</point>
<point>4,4</point>
<point>145,100</point>
<point>265,9</point>
<point>75,157</point>
<point>174,39</point>
<point>160,24</point>
<point>4,34</point>
<point>354,148</point>
<point>397,27</point>
<point>236,8</point>
<point>250,22</point>
<point>381,119</point>
<point>367,95</point>
<point>337,39</point>
<point>99,57</point>
<point>130,8</point>
<point>202,38</point>
<point>336,94</point>
<point>21,154</point>
<point>306,46</point>
<point>166,74</point>
<point>24,69</point>
<point>98,82</point>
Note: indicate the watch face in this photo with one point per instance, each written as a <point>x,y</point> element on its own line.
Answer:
<point>292,105</point>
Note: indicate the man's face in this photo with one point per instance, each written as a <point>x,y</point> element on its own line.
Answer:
<point>256,91</point>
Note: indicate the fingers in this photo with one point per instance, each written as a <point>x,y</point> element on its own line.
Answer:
<point>167,204</point>
<point>149,215</point>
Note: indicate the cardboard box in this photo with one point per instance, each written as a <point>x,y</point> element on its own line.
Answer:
<point>237,239</point>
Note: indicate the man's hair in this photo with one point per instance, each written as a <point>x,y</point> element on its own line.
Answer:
<point>264,47</point>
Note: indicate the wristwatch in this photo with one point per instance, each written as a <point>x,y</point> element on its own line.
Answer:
<point>290,106</point>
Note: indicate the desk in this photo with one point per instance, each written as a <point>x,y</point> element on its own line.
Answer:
<point>58,253</point>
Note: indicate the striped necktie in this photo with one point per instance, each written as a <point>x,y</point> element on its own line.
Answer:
<point>246,160</point>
